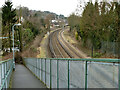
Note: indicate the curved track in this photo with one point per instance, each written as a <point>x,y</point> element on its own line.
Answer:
<point>55,48</point>
<point>59,48</point>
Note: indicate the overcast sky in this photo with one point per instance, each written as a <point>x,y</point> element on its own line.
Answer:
<point>65,7</point>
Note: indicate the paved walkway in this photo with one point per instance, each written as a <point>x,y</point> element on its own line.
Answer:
<point>23,78</point>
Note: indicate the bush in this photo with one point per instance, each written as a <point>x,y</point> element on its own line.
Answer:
<point>76,35</point>
<point>97,55</point>
<point>28,35</point>
<point>18,58</point>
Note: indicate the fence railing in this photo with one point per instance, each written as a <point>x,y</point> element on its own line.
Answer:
<point>75,73</point>
<point>6,68</point>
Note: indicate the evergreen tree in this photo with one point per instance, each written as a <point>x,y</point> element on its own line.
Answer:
<point>9,19</point>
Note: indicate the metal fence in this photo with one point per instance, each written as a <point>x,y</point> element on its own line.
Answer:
<point>6,68</point>
<point>110,48</point>
<point>0,34</point>
<point>75,73</point>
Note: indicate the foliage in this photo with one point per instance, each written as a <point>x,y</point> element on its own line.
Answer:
<point>76,35</point>
<point>27,35</point>
<point>8,19</point>
<point>73,21</point>
<point>33,23</point>
<point>98,22</point>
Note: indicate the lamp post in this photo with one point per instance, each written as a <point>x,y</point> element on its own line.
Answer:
<point>13,44</point>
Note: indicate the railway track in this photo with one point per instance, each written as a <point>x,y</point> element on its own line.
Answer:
<point>59,48</point>
<point>54,46</point>
<point>74,51</point>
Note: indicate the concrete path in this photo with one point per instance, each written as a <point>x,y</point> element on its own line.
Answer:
<point>23,78</point>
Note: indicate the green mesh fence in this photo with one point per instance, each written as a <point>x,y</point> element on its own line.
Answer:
<point>76,73</point>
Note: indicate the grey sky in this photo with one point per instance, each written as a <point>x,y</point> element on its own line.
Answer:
<point>65,7</point>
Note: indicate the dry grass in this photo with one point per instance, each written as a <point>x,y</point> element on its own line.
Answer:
<point>8,56</point>
<point>32,51</point>
<point>43,48</point>
<point>37,48</point>
<point>70,37</point>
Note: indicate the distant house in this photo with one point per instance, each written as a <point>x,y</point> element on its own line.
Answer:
<point>22,19</point>
<point>55,23</point>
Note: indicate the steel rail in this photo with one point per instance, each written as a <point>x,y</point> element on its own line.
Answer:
<point>52,50</point>
<point>70,47</point>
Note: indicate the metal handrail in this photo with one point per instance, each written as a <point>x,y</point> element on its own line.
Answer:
<point>6,68</point>
<point>89,59</point>
<point>109,60</point>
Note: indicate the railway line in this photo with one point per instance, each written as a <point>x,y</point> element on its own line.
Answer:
<point>59,48</point>
<point>72,48</point>
<point>56,49</point>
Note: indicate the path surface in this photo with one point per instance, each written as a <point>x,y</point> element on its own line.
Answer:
<point>23,78</point>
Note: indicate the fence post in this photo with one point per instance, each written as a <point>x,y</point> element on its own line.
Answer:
<point>86,75</point>
<point>4,73</point>
<point>36,67</point>
<point>33,66</point>
<point>50,75</point>
<point>68,74</point>
<point>118,53</point>
<point>1,75</point>
<point>119,75</point>
<point>45,71</point>
<point>57,74</point>
<point>41,69</point>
